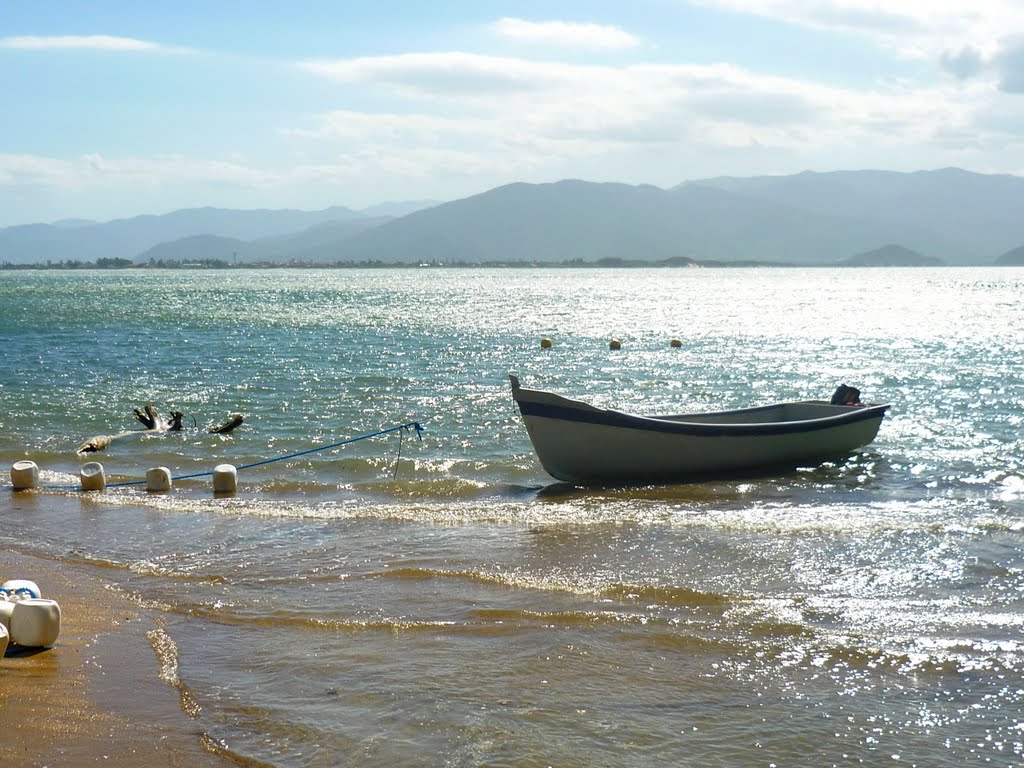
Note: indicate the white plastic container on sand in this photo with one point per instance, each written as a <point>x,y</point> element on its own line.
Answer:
<point>13,591</point>
<point>158,479</point>
<point>225,478</point>
<point>35,622</point>
<point>24,587</point>
<point>5,638</point>
<point>24,475</point>
<point>93,476</point>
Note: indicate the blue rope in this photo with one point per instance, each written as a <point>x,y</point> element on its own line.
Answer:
<point>406,427</point>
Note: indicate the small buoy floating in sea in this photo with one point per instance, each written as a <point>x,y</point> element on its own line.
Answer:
<point>24,475</point>
<point>614,344</point>
<point>225,478</point>
<point>27,619</point>
<point>158,480</point>
<point>545,343</point>
<point>675,343</point>
<point>93,476</point>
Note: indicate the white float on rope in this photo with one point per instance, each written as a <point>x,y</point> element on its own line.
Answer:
<point>158,479</point>
<point>12,592</point>
<point>5,638</point>
<point>225,478</point>
<point>24,475</point>
<point>35,622</point>
<point>93,476</point>
<point>22,587</point>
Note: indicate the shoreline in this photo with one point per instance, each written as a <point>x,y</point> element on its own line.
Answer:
<point>95,696</point>
<point>575,264</point>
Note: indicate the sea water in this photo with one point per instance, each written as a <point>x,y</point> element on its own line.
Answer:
<point>442,601</point>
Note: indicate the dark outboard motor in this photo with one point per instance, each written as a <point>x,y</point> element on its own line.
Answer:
<point>845,395</point>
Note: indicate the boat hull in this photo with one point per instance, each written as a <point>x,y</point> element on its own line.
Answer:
<point>581,444</point>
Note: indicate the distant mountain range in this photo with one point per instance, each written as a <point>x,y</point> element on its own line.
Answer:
<point>129,238</point>
<point>946,216</point>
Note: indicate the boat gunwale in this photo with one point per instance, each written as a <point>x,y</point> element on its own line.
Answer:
<point>577,411</point>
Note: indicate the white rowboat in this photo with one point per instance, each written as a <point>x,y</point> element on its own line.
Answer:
<point>578,443</point>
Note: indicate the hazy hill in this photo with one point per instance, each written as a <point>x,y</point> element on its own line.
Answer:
<point>128,238</point>
<point>195,248</point>
<point>960,217</point>
<point>531,222</point>
<point>1014,258</point>
<point>810,218</point>
<point>315,244</point>
<point>952,215</point>
<point>890,256</point>
<point>395,209</point>
<point>581,220</point>
<point>74,223</point>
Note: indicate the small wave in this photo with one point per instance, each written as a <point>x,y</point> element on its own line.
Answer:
<point>75,558</point>
<point>645,594</point>
<point>141,567</point>
<point>663,595</point>
<point>919,657</point>
<point>421,574</point>
<point>166,651</point>
<point>775,629</point>
<point>520,617</point>
<point>278,620</point>
<point>450,488</point>
<point>481,622</point>
<point>688,642</point>
<point>220,747</point>
<point>151,568</point>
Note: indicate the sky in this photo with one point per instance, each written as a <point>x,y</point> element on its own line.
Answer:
<point>113,109</point>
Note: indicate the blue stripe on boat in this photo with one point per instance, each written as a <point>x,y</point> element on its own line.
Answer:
<point>627,421</point>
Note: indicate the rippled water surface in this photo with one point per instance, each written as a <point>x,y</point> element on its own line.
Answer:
<point>442,601</point>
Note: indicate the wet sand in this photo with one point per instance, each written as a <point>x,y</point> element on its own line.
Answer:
<point>96,696</point>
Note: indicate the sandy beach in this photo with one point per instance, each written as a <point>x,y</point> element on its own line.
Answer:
<point>96,696</point>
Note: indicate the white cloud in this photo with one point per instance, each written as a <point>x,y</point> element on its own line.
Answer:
<point>86,43</point>
<point>34,171</point>
<point>563,34</point>
<point>541,114</point>
<point>458,123</point>
<point>434,74</point>
<point>936,30</point>
<point>361,127</point>
<point>96,170</point>
<point>948,20</point>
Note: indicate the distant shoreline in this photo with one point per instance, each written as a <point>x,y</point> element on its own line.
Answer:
<point>572,264</point>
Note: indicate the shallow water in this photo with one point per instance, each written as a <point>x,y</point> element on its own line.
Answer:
<point>443,602</point>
